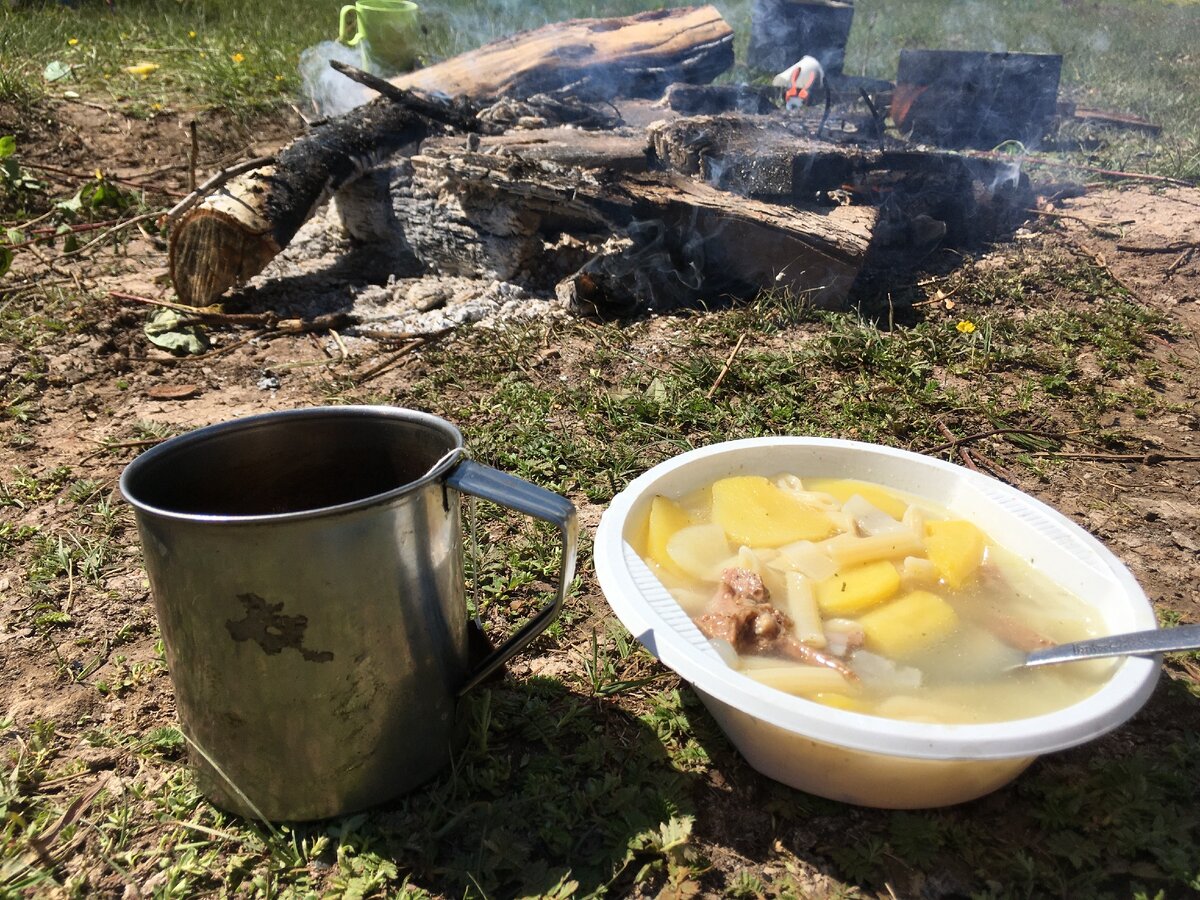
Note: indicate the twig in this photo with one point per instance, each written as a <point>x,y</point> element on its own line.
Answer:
<point>80,176</point>
<point>101,238</point>
<point>994,432</point>
<point>1178,246</point>
<point>193,156</point>
<point>216,181</point>
<point>401,356</point>
<point>1061,164</point>
<point>439,112</point>
<point>1148,459</point>
<point>954,443</point>
<point>394,359</point>
<point>270,320</point>
<point>1179,262</point>
<point>1094,225</point>
<point>725,368</point>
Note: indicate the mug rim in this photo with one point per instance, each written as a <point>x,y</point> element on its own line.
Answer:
<point>156,454</point>
<point>386,5</point>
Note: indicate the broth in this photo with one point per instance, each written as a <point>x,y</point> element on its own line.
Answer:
<point>867,599</point>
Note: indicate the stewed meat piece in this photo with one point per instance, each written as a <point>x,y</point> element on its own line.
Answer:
<point>741,613</point>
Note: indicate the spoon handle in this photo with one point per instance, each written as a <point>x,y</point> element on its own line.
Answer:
<point>1137,643</point>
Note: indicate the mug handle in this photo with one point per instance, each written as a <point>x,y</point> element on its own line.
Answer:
<point>520,496</point>
<point>343,31</point>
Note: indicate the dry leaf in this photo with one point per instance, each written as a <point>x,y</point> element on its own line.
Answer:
<point>173,391</point>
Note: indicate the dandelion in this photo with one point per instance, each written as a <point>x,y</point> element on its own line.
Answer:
<point>71,42</point>
<point>238,59</point>
<point>965,326</point>
<point>99,175</point>
<point>191,35</point>
<point>142,69</point>
<point>279,78</point>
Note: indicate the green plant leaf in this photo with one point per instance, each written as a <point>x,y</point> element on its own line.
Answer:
<point>164,329</point>
<point>6,258</point>
<point>56,71</point>
<point>8,145</point>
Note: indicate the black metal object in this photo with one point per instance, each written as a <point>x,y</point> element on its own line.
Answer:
<point>966,98</point>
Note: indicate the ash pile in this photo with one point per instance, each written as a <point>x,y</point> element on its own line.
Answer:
<point>592,167</point>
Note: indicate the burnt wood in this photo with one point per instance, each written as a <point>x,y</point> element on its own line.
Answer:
<point>232,233</point>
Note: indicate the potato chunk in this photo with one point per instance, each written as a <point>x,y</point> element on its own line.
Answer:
<point>860,588</point>
<point>666,518</point>
<point>956,547</point>
<point>756,512</point>
<point>907,625</point>
<point>700,550</point>
<point>845,488</point>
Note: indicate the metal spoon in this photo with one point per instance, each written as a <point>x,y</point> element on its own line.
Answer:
<point>1137,643</point>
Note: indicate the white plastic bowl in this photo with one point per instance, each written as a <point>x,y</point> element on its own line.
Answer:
<point>856,758</point>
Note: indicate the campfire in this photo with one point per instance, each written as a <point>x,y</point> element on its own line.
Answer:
<point>593,165</point>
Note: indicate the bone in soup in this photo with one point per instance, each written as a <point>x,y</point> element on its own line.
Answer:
<point>867,599</point>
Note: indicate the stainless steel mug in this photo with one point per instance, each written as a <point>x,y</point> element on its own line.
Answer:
<point>307,572</point>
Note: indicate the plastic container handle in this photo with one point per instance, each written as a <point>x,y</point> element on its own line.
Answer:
<point>520,496</point>
<point>342,30</point>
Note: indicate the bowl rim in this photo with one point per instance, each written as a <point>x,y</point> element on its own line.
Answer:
<point>625,581</point>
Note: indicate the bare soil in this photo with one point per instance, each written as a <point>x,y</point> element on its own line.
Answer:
<point>102,381</point>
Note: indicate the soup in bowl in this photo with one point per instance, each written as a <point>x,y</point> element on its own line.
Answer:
<point>850,613</point>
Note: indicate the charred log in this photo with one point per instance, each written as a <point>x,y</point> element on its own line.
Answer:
<point>231,234</point>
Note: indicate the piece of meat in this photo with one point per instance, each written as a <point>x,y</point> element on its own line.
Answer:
<point>741,613</point>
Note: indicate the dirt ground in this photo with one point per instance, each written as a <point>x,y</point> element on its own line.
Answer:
<point>103,382</point>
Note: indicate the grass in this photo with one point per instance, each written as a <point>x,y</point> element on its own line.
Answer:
<point>604,775</point>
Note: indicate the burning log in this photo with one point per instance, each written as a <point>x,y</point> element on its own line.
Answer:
<point>611,236</point>
<point>231,234</point>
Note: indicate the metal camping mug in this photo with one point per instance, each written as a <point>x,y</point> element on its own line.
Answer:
<point>307,572</point>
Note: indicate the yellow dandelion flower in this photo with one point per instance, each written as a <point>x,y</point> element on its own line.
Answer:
<point>99,175</point>
<point>191,35</point>
<point>966,326</point>
<point>203,55</point>
<point>71,42</point>
<point>238,58</point>
<point>156,106</point>
<point>279,78</point>
<point>142,69</point>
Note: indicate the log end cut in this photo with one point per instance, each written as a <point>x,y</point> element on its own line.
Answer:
<point>212,251</point>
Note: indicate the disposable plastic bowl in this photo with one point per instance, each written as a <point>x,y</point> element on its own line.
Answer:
<point>847,756</point>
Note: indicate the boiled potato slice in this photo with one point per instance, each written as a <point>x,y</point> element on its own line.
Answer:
<point>666,518</point>
<point>905,626</point>
<point>845,488</point>
<point>956,547</point>
<point>855,590</point>
<point>754,511</point>
<point>700,550</point>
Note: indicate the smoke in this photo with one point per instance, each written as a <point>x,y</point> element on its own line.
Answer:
<point>331,93</point>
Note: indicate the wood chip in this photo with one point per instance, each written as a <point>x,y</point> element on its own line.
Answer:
<point>173,391</point>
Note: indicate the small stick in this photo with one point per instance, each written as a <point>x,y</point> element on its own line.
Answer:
<point>979,435</point>
<point>1059,164</point>
<point>80,176</point>
<point>439,112</point>
<point>107,234</point>
<point>394,359</point>
<point>1149,459</point>
<point>1176,247</point>
<point>962,451</point>
<point>400,356</point>
<point>1179,262</point>
<point>1096,225</point>
<point>725,368</point>
<point>193,156</point>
